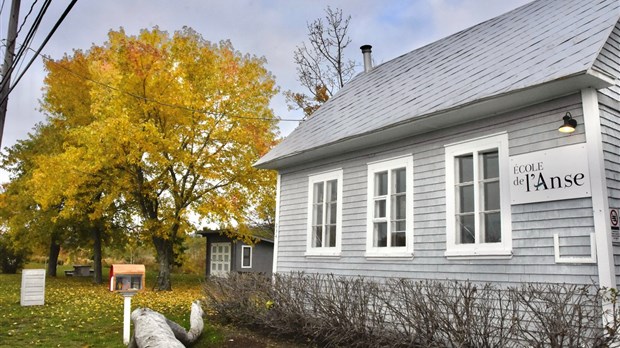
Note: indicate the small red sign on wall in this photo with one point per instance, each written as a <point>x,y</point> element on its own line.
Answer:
<point>614,222</point>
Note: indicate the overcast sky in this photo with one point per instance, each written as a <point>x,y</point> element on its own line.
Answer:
<point>269,28</point>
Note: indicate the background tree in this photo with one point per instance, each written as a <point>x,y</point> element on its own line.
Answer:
<point>41,211</point>
<point>264,212</point>
<point>67,103</point>
<point>322,67</point>
<point>175,125</point>
<point>50,227</point>
<point>13,255</point>
<point>23,218</point>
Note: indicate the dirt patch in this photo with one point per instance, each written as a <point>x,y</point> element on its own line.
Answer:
<point>248,342</point>
<point>239,337</point>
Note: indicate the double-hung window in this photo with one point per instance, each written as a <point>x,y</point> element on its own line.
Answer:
<point>390,208</point>
<point>478,207</point>
<point>325,214</point>
<point>246,256</point>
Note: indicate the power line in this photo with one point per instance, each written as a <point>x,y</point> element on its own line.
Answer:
<point>8,61</point>
<point>26,17</point>
<point>29,36</point>
<point>33,29</point>
<point>17,58</point>
<point>11,61</point>
<point>2,6</point>
<point>38,51</point>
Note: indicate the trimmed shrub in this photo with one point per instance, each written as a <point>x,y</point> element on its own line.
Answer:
<point>332,311</point>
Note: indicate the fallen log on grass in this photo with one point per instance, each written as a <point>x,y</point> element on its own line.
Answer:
<point>153,330</point>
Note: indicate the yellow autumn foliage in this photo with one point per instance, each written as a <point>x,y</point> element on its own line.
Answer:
<point>162,126</point>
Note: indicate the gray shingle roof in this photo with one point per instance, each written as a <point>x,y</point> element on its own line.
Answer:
<point>540,42</point>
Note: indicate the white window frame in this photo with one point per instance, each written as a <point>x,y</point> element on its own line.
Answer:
<point>502,249</point>
<point>383,166</point>
<point>243,254</point>
<point>324,177</point>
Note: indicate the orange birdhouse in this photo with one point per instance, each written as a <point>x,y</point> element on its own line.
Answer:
<point>127,278</point>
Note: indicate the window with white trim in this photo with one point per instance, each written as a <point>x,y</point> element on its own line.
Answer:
<point>246,256</point>
<point>390,208</point>
<point>478,206</point>
<point>325,214</point>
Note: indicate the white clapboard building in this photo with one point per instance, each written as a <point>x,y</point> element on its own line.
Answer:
<point>447,162</point>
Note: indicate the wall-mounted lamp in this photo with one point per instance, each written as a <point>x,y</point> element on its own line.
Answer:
<point>569,124</point>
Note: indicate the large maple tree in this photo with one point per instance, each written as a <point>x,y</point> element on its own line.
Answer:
<point>164,126</point>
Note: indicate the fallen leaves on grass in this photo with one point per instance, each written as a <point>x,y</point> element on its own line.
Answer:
<point>78,313</point>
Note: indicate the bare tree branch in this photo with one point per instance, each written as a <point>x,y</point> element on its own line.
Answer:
<point>321,67</point>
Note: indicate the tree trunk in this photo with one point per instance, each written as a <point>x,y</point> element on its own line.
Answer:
<point>164,257</point>
<point>53,257</point>
<point>97,231</point>
<point>153,330</point>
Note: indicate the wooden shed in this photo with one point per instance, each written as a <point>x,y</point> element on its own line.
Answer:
<point>226,254</point>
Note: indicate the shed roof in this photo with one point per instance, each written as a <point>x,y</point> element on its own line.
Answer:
<point>536,52</point>
<point>127,269</point>
<point>262,234</point>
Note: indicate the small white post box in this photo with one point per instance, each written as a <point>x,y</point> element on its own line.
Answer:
<point>127,278</point>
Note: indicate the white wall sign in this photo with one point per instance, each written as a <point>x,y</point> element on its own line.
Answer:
<point>550,175</point>
<point>33,287</point>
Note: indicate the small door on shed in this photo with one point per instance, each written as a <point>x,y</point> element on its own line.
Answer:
<point>220,259</point>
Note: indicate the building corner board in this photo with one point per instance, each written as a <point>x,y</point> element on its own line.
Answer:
<point>600,202</point>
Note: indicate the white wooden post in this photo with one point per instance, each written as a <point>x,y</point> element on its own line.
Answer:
<point>127,316</point>
<point>276,232</point>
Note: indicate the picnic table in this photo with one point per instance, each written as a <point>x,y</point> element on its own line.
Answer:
<point>80,271</point>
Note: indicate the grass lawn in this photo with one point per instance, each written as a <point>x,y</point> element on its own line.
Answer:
<point>78,313</point>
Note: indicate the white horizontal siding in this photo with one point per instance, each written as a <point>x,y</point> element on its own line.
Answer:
<point>610,125</point>
<point>609,100</point>
<point>292,220</point>
<point>534,225</point>
<point>608,61</point>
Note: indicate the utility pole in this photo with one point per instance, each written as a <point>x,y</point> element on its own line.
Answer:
<point>8,62</point>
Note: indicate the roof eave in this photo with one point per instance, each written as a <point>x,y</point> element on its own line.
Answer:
<point>478,109</point>
<point>207,232</point>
